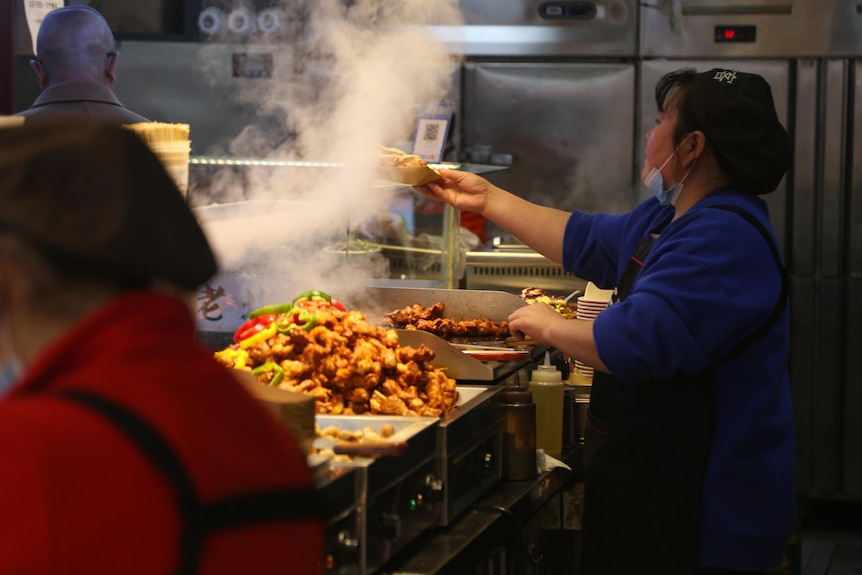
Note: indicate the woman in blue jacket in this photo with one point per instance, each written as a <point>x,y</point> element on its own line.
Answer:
<point>689,448</point>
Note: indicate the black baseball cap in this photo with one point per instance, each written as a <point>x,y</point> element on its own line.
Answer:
<point>737,113</point>
<point>95,195</point>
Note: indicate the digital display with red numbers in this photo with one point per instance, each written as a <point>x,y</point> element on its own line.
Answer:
<point>731,34</point>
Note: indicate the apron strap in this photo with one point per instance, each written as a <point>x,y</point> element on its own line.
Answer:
<point>644,245</point>
<point>785,286</point>
<point>198,519</point>
<point>636,262</point>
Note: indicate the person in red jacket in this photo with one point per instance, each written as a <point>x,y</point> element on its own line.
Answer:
<point>124,447</point>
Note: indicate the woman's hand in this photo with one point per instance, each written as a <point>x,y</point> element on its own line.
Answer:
<point>461,190</point>
<point>534,320</point>
<point>540,227</point>
<point>573,337</point>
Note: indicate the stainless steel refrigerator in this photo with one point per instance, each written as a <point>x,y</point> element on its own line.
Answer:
<point>809,53</point>
<point>564,127</point>
<point>828,258</point>
<point>555,101</point>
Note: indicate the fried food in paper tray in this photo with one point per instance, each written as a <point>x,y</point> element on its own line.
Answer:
<point>403,168</point>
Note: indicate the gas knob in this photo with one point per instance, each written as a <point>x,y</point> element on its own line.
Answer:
<point>434,487</point>
<point>488,461</point>
<point>348,546</point>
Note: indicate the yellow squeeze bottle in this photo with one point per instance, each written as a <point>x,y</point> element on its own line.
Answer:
<point>546,383</point>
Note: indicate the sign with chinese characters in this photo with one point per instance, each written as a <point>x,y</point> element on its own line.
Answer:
<point>35,11</point>
<point>432,130</point>
<point>223,302</point>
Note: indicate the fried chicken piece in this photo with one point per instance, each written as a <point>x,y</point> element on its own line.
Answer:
<point>351,366</point>
<point>409,315</point>
<point>389,405</point>
<point>423,354</point>
<point>431,320</point>
<point>358,395</point>
<point>426,411</point>
<point>395,158</point>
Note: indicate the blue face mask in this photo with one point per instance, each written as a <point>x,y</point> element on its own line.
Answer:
<point>12,367</point>
<point>655,182</point>
<point>10,373</point>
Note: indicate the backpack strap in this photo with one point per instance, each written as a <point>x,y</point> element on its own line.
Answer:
<point>199,519</point>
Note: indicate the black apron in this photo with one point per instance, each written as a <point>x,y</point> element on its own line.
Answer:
<point>199,519</point>
<point>645,452</point>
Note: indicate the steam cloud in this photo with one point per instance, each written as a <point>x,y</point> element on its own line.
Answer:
<point>360,70</point>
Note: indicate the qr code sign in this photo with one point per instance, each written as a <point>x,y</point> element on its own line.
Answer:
<point>432,132</point>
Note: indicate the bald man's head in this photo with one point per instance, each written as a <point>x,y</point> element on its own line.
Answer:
<point>75,43</point>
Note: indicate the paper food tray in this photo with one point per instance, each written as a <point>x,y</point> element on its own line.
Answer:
<point>410,176</point>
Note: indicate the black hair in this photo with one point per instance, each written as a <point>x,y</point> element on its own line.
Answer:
<point>681,80</point>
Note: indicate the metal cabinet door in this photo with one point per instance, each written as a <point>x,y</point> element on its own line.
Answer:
<point>568,128</point>
<point>853,317</point>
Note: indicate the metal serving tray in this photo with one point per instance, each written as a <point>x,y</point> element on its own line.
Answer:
<point>461,366</point>
<point>458,304</point>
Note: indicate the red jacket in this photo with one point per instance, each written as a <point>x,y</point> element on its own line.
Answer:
<point>76,496</point>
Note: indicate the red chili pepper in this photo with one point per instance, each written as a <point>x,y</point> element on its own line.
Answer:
<point>338,305</point>
<point>257,328</point>
<point>253,326</point>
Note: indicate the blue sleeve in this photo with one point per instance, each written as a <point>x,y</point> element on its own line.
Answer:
<point>597,247</point>
<point>709,281</point>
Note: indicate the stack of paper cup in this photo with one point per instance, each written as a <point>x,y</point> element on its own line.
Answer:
<point>175,158</point>
<point>590,305</point>
<point>11,121</point>
<point>170,143</point>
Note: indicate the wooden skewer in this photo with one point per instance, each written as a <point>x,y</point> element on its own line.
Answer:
<point>512,342</point>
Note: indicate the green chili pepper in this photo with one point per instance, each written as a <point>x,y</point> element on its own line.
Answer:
<point>296,316</point>
<point>310,294</point>
<point>270,310</point>
<point>271,366</point>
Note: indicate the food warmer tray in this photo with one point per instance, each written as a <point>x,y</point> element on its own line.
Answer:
<point>394,501</point>
<point>435,483</point>
<point>469,450</point>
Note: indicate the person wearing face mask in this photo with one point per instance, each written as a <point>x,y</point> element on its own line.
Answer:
<point>124,446</point>
<point>688,452</point>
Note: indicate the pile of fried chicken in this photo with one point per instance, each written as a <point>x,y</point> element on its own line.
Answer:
<point>350,366</point>
<point>431,319</point>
